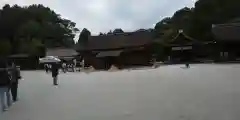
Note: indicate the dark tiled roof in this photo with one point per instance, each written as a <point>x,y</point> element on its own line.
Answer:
<point>61,52</point>
<point>229,31</point>
<point>117,41</point>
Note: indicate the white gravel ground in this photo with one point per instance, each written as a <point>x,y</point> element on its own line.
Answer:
<point>203,92</point>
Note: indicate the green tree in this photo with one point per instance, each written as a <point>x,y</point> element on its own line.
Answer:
<point>5,47</point>
<point>32,47</point>
<point>117,31</point>
<point>23,25</point>
<point>181,19</point>
<point>165,30</point>
<point>208,12</point>
<point>29,30</point>
<point>83,37</point>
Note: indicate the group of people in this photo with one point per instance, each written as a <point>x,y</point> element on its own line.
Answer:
<point>10,75</point>
<point>64,67</point>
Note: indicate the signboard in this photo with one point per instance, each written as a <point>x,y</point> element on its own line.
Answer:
<point>182,48</point>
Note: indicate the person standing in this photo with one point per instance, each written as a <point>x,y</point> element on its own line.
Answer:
<point>74,64</point>
<point>14,82</point>
<point>55,73</point>
<point>5,83</point>
<point>83,64</point>
<point>64,67</point>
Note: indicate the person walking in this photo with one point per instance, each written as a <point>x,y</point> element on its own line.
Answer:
<point>5,83</point>
<point>46,67</point>
<point>14,82</point>
<point>187,65</point>
<point>55,73</point>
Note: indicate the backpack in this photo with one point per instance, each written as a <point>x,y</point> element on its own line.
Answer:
<point>5,79</point>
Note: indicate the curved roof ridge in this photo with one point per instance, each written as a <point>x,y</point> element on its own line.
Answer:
<point>185,35</point>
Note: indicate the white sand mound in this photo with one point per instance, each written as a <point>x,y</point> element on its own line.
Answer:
<point>113,68</point>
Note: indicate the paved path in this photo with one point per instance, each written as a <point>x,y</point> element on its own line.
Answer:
<point>203,92</point>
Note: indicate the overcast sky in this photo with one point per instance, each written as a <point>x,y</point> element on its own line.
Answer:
<point>103,15</point>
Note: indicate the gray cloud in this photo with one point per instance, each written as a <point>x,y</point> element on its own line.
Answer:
<point>103,15</point>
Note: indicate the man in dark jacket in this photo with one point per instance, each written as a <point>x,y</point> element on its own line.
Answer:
<point>5,83</point>
<point>15,72</point>
<point>55,73</point>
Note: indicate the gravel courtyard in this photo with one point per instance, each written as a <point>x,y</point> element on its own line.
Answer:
<point>203,92</point>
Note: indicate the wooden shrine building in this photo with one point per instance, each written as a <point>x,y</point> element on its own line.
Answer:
<point>65,54</point>
<point>121,50</point>
<point>187,49</point>
<point>227,38</point>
